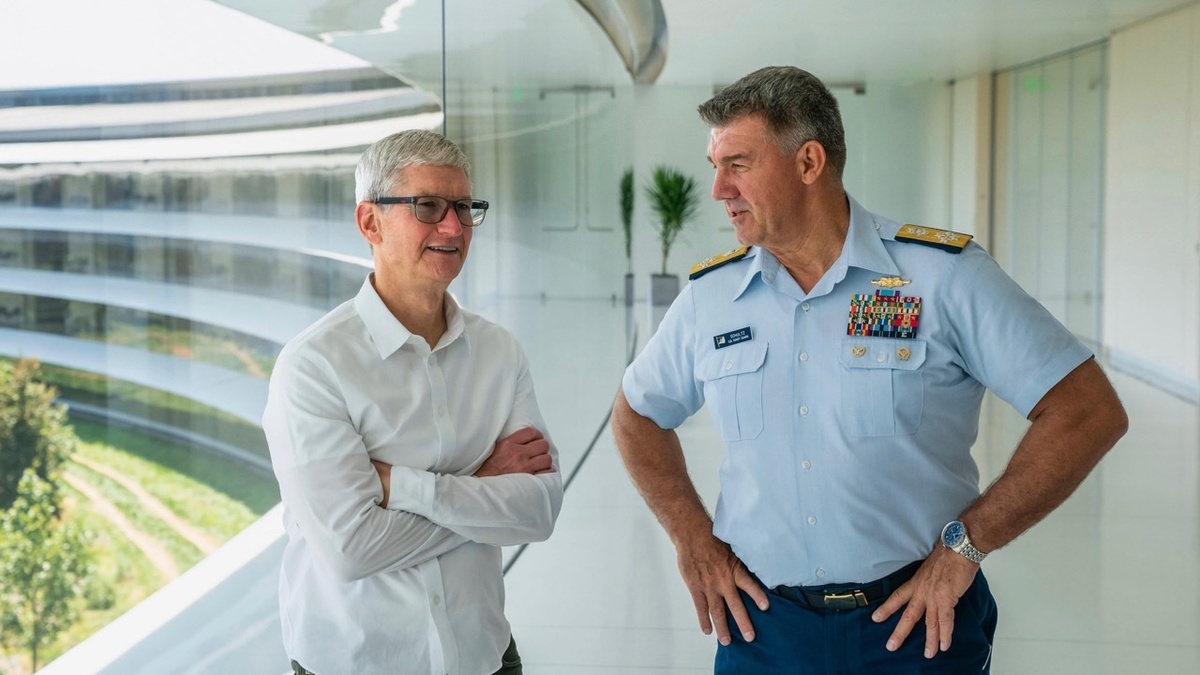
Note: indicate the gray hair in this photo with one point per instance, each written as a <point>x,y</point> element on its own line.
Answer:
<point>379,169</point>
<point>796,105</point>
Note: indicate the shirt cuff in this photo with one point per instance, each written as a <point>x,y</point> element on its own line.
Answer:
<point>411,491</point>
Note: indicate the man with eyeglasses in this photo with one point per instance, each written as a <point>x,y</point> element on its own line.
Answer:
<point>408,444</point>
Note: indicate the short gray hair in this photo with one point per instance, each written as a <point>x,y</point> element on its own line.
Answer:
<point>379,168</point>
<point>796,105</point>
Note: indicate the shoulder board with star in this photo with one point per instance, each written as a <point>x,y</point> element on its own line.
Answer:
<point>946,240</point>
<point>709,264</point>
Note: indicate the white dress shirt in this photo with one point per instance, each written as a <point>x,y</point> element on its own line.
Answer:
<point>415,587</point>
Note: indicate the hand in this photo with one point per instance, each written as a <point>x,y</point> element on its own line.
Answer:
<point>385,477</point>
<point>523,451</point>
<point>713,575</point>
<point>932,592</point>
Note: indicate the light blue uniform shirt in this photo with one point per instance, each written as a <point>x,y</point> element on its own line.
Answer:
<point>844,460</point>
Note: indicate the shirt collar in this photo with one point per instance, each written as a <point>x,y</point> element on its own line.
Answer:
<point>863,249</point>
<point>389,334</point>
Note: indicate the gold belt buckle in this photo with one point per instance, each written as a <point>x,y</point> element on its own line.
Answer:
<point>850,600</point>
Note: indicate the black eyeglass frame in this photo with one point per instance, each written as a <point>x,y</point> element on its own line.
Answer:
<point>470,206</point>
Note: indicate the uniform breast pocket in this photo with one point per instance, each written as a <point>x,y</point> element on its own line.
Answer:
<point>883,392</point>
<point>733,386</point>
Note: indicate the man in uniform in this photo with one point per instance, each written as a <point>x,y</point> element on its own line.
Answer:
<point>845,356</point>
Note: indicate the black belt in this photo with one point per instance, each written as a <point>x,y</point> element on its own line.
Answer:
<point>842,597</point>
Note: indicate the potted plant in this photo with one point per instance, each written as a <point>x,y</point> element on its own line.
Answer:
<point>674,198</point>
<point>627,225</point>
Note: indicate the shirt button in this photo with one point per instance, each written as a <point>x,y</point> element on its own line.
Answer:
<point>882,358</point>
<point>804,357</point>
<point>812,520</point>
<point>442,411</point>
<point>820,572</point>
<point>805,306</point>
<point>769,277</point>
<point>729,365</point>
<point>806,464</point>
<point>437,600</point>
<point>803,410</point>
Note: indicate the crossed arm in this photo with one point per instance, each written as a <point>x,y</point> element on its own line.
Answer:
<point>334,493</point>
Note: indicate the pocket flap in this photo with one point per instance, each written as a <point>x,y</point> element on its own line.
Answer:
<point>736,360</point>
<point>890,353</point>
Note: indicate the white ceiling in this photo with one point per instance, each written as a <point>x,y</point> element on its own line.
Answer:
<point>554,43</point>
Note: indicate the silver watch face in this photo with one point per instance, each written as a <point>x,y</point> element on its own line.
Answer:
<point>953,534</point>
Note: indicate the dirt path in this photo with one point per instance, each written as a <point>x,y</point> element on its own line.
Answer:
<point>251,365</point>
<point>199,539</point>
<point>155,552</point>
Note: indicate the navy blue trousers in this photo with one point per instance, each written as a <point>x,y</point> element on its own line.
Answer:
<point>794,639</point>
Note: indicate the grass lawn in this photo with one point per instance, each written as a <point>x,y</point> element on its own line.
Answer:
<point>216,495</point>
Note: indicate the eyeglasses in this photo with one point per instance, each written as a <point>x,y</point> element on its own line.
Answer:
<point>432,210</point>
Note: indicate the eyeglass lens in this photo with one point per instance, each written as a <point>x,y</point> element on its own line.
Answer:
<point>432,210</point>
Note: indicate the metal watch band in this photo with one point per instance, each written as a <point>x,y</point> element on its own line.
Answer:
<point>969,552</point>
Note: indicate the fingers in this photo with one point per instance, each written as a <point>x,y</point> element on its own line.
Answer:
<point>526,450</point>
<point>713,578</point>
<point>933,594</point>
<point>523,435</point>
<point>912,614</point>
<point>741,617</point>
<point>746,582</point>
<point>895,601</point>
<point>945,630</point>
<point>701,603</point>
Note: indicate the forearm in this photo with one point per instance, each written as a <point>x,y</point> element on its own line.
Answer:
<point>656,465</point>
<point>356,538</point>
<point>499,510</point>
<point>1074,425</point>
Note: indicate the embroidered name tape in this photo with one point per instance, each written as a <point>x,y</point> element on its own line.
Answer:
<point>732,337</point>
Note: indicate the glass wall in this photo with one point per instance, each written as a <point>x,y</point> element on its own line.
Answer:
<point>1049,178</point>
<point>159,243</point>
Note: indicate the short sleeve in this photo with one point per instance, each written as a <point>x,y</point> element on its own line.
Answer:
<point>1008,341</point>
<point>661,383</point>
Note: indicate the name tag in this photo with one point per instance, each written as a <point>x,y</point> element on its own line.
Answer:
<point>732,337</point>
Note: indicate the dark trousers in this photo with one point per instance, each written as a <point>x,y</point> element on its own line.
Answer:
<point>510,662</point>
<point>794,639</point>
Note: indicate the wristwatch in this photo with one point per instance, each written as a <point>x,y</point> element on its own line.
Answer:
<point>954,537</point>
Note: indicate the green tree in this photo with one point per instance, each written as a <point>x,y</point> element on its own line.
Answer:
<point>627,215</point>
<point>674,198</point>
<point>33,430</point>
<point>44,564</point>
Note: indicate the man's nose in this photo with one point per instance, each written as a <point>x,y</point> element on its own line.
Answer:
<point>450,224</point>
<point>721,189</point>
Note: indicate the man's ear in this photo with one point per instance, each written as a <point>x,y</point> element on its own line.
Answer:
<point>810,162</point>
<point>367,217</point>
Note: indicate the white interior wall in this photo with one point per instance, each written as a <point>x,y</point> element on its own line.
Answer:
<point>970,157</point>
<point>1152,205</point>
<point>551,167</point>
<point>898,144</point>
<point>1048,183</point>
